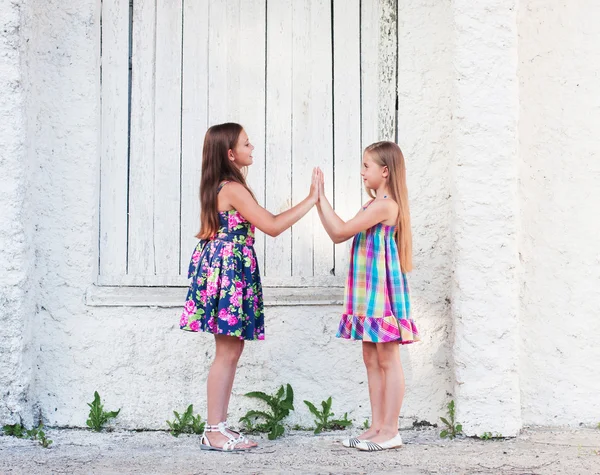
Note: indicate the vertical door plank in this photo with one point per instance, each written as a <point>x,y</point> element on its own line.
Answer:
<point>312,129</point>
<point>218,81</point>
<point>278,251</point>
<point>115,117</point>
<point>346,93</point>
<point>167,143</point>
<point>248,61</point>
<point>194,120</point>
<point>320,144</point>
<point>141,181</point>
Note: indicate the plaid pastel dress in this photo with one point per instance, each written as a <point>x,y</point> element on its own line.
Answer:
<point>377,303</point>
<point>225,293</point>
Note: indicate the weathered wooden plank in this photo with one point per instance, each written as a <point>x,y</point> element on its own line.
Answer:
<point>346,107</point>
<point>320,145</point>
<point>167,143</point>
<point>249,62</point>
<point>115,110</point>
<point>378,64</point>
<point>218,82</point>
<point>388,67</point>
<point>141,182</point>
<point>168,280</point>
<point>194,121</point>
<point>312,125</point>
<point>278,158</point>
<point>171,297</point>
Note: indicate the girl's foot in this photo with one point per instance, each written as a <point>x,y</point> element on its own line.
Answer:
<point>219,437</point>
<point>383,435</point>
<point>250,443</point>
<point>354,441</point>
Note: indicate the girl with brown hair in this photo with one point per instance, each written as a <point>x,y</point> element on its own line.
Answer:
<point>225,293</point>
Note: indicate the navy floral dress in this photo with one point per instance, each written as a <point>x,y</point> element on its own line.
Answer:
<point>225,293</point>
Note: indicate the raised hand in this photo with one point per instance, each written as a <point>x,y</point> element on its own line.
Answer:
<point>321,183</point>
<point>313,195</point>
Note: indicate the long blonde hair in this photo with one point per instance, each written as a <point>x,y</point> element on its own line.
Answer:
<point>388,154</point>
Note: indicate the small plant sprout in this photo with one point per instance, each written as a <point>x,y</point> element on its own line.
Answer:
<point>452,428</point>
<point>15,430</point>
<point>280,404</point>
<point>186,423</point>
<point>322,418</point>
<point>366,424</point>
<point>490,436</point>
<point>35,433</point>
<point>98,417</point>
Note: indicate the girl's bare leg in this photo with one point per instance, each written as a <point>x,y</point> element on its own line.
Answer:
<point>376,389</point>
<point>388,356</point>
<point>220,383</point>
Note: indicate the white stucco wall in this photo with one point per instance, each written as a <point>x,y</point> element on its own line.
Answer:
<point>559,65</point>
<point>424,133</point>
<point>511,341</point>
<point>136,357</point>
<point>17,294</point>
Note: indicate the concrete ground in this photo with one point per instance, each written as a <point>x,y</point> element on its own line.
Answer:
<point>540,451</point>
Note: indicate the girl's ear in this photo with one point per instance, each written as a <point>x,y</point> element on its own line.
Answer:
<point>386,172</point>
<point>230,155</point>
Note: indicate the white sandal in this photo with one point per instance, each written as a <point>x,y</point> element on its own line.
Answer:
<point>240,435</point>
<point>352,442</point>
<point>229,446</point>
<point>368,446</point>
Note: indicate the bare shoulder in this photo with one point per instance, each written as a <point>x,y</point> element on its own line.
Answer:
<point>233,188</point>
<point>387,204</point>
<point>387,207</point>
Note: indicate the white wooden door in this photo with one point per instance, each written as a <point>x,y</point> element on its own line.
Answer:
<point>311,81</point>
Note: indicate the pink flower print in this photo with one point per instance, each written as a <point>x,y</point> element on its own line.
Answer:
<point>249,241</point>
<point>223,314</point>
<point>190,307</point>
<point>261,336</point>
<point>194,326</point>
<point>225,281</point>
<point>212,324</point>
<point>203,297</point>
<point>233,220</point>
<point>227,250</point>
<point>234,300</point>
<point>232,320</point>
<point>184,320</point>
<point>196,257</point>
<point>211,289</point>
<point>249,292</point>
<point>239,285</point>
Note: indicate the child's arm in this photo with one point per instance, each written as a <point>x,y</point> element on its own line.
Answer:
<point>270,224</point>
<point>339,230</point>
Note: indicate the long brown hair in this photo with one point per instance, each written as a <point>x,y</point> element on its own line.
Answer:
<point>388,154</point>
<point>216,167</point>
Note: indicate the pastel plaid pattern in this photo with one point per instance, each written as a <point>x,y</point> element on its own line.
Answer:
<point>377,302</point>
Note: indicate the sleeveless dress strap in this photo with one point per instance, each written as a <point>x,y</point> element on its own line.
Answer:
<point>367,205</point>
<point>221,185</point>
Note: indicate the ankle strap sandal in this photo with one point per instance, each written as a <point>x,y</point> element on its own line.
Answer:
<point>229,446</point>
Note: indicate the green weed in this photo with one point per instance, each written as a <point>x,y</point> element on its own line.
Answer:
<point>98,417</point>
<point>452,428</point>
<point>322,418</point>
<point>280,405</point>
<point>186,423</point>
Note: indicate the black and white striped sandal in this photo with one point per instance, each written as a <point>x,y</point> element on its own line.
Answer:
<point>369,446</point>
<point>229,446</point>
<point>352,442</point>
